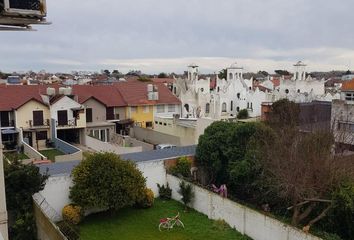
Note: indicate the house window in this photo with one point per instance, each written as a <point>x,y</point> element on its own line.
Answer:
<point>248,105</point>
<point>224,107</point>
<point>96,134</point>
<point>286,91</point>
<point>103,135</point>
<point>37,118</point>
<point>186,106</point>
<point>218,89</point>
<point>165,124</point>
<point>88,115</point>
<point>134,109</point>
<point>5,119</point>
<point>232,106</point>
<point>110,113</point>
<point>251,105</point>
<point>160,108</point>
<point>149,124</point>
<point>238,95</point>
<point>156,122</point>
<point>238,109</point>
<point>298,91</point>
<point>349,96</point>
<point>42,135</point>
<point>230,76</point>
<point>171,108</point>
<point>202,89</point>
<point>207,108</point>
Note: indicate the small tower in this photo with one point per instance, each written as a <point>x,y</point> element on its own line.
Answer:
<point>300,73</point>
<point>193,71</point>
<point>234,72</point>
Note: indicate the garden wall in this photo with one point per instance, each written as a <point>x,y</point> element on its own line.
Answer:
<point>32,153</point>
<point>245,220</point>
<point>98,145</point>
<point>57,188</point>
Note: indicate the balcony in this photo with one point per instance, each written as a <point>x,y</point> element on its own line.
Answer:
<point>39,124</point>
<point>6,124</point>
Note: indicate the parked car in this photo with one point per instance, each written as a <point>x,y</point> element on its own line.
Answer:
<point>165,146</point>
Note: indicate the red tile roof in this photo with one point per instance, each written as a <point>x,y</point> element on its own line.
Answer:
<point>135,93</point>
<point>348,85</point>
<point>13,97</point>
<point>163,80</point>
<point>106,94</point>
<point>276,82</point>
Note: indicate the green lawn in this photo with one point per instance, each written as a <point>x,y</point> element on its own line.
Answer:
<point>51,153</point>
<point>19,156</point>
<point>142,224</point>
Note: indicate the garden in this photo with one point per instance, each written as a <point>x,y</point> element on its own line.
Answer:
<point>51,153</point>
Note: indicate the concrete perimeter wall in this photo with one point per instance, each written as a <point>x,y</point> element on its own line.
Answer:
<point>153,137</point>
<point>245,220</point>
<point>98,145</point>
<point>57,188</point>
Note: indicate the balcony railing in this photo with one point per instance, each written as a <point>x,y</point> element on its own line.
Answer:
<point>69,123</point>
<point>33,124</point>
<point>10,123</point>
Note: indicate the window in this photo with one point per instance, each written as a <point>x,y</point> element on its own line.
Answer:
<point>251,105</point>
<point>160,108</point>
<point>96,134</point>
<point>349,96</point>
<point>175,90</point>
<point>238,109</point>
<point>134,109</point>
<point>232,106</point>
<point>88,114</point>
<point>37,118</point>
<point>146,109</point>
<point>218,89</point>
<point>103,135</point>
<point>230,76</point>
<point>42,135</point>
<point>160,123</point>
<point>4,119</point>
<point>156,122</point>
<point>171,108</point>
<point>186,106</point>
<point>248,105</point>
<point>238,95</point>
<point>224,107</point>
<point>207,108</point>
<point>149,124</point>
<point>202,89</point>
<point>286,91</point>
<point>165,124</point>
<point>298,90</point>
<point>110,113</point>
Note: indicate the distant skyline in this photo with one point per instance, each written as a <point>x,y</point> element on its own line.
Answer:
<point>165,36</point>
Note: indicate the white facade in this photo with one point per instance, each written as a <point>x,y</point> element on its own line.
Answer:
<point>64,104</point>
<point>235,93</point>
<point>166,110</point>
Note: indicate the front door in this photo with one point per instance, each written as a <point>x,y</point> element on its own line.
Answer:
<point>62,118</point>
<point>37,118</point>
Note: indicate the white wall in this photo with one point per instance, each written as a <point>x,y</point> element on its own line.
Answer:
<point>245,220</point>
<point>64,103</point>
<point>98,145</point>
<point>57,188</point>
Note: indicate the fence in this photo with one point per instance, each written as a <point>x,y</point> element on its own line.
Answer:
<point>46,217</point>
<point>245,220</point>
<point>72,152</point>
<point>153,137</point>
<point>98,145</point>
<point>31,152</point>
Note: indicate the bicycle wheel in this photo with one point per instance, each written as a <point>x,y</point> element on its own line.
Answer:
<point>164,226</point>
<point>179,223</point>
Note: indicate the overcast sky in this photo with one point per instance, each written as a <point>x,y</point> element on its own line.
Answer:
<point>166,35</point>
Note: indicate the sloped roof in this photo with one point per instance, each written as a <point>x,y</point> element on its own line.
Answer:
<point>135,93</point>
<point>106,94</point>
<point>13,97</point>
<point>153,155</point>
<point>348,85</point>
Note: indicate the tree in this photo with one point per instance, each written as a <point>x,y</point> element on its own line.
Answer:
<point>162,75</point>
<point>103,180</point>
<point>282,72</point>
<point>264,73</point>
<point>242,114</point>
<point>186,192</point>
<point>21,182</point>
<point>284,114</point>
<point>223,74</point>
<point>107,72</point>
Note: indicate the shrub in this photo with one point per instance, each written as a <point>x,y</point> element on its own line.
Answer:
<point>186,192</point>
<point>165,192</point>
<point>103,180</point>
<point>147,199</point>
<point>243,114</point>
<point>183,167</point>
<point>72,213</point>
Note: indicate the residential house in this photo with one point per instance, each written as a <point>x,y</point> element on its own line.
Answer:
<point>145,100</point>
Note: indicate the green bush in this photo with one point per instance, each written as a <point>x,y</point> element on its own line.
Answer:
<point>186,192</point>
<point>147,199</point>
<point>183,167</point>
<point>243,114</point>
<point>103,180</point>
<point>165,192</point>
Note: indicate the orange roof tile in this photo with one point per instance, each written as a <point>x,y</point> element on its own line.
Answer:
<point>348,85</point>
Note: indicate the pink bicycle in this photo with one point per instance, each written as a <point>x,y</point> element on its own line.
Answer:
<point>169,223</point>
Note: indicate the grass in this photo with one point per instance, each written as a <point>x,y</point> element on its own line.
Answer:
<point>19,156</point>
<point>51,153</point>
<point>142,224</point>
